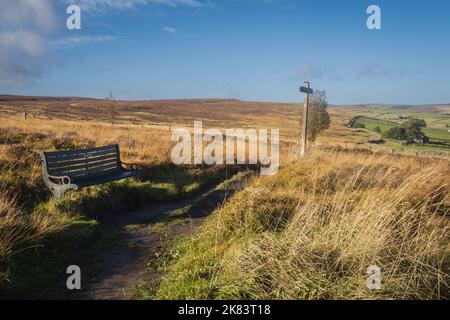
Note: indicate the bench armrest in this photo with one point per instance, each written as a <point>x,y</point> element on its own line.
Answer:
<point>64,179</point>
<point>133,166</point>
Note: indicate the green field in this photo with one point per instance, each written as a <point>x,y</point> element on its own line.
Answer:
<point>437,134</point>
<point>440,137</point>
<point>372,123</point>
<point>436,119</point>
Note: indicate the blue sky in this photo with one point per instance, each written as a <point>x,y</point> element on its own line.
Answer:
<point>250,49</point>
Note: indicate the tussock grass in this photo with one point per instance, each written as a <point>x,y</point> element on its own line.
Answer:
<point>35,227</point>
<point>19,232</point>
<point>138,144</point>
<point>312,231</point>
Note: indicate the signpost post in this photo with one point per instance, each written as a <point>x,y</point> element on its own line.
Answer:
<point>307,91</point>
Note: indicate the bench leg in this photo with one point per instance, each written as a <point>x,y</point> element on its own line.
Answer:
<point>59,190</point>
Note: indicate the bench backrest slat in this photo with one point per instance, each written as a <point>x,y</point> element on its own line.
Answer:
<point>81,151</point>
<point>86,162</point>
<point>79,155</point>
<point>65,163</point>
<point>99,170</point>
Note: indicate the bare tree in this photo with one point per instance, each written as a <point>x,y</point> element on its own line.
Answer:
<point>319,119</point>
<point>111,109</point>
<point>112,113</point>
<point>110,96</point>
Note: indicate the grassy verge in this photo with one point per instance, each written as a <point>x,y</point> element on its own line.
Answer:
<point>312,231</point>
<point>172,245</point>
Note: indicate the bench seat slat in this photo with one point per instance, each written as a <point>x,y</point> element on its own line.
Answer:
<point>105,179</point>
<point>104,168</point>
<point>86,166</point>
<point>97,175</point>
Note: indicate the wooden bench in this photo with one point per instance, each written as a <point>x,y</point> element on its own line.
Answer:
<point>65,170</point>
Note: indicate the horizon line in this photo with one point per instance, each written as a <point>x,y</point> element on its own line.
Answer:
<point>217,98</point>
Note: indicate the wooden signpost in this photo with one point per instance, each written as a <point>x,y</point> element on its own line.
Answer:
<point>307,91</point>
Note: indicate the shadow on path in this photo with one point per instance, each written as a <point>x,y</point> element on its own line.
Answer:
<point>114,273</point>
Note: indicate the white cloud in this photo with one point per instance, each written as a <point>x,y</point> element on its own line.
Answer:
<point>17,72</point>
<point>26,25</point>
<point>170,29</point>
<point>28,42</point>
<point>27,13</point>
<point>101,5</point>
<point>378,70</point>
<point>23,27</point>
<point>80,40</point>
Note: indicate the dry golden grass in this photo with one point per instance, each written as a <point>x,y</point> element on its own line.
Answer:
<point>138,143</point>
<point>312,231</point>
<point>20,231</point>
<point>149,145</point>
<point>22,226</point>
<point>309,232</point>
<point>161,115</point>
<point>27,215</point>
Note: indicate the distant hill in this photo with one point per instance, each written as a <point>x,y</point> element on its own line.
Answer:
<point>443,108</point>
<point>6,97</point>
<point>199,100</point>
<point>220,111</point>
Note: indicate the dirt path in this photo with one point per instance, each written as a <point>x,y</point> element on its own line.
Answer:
<point>115,273</point>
